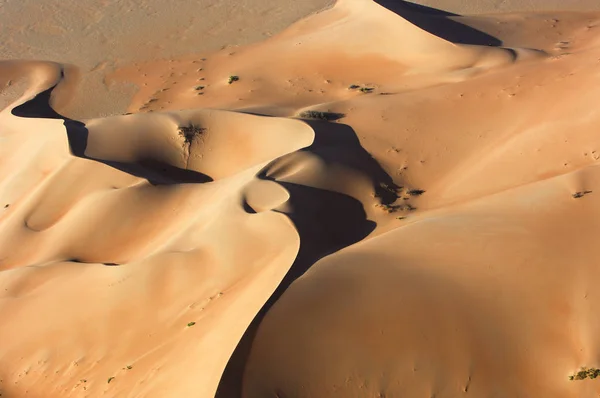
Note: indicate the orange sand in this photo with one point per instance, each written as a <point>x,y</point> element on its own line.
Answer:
<point>386,201</point>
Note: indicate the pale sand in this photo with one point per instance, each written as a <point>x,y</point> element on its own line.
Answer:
<point>96,36</point>
<point>435,237</point>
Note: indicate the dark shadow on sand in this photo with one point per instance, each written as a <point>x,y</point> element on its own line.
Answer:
<point>438,23</point>
<point>326,221</point>
<point>157,173</point>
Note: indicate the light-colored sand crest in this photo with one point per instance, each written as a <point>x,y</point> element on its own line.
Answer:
<point>361,27</point>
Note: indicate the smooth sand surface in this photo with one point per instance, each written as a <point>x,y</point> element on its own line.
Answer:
<point>379,200</point>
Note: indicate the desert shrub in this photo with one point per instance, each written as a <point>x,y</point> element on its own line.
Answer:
<point>585,373</point>
<point>320,115</point>
<point>190,132</point>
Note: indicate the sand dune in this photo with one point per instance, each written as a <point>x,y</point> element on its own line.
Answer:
<point>381,200</point>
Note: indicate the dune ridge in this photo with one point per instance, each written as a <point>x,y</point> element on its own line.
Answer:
<point>378,201</point>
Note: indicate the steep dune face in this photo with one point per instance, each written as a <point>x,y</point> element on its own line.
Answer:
<point>414,217</point>
<point>367,28</point>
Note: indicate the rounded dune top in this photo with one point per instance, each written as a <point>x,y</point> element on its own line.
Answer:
<point>216,143</point>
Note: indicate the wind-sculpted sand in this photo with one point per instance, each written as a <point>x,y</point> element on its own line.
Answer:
<point>382,200</point>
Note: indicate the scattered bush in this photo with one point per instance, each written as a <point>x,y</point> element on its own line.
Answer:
<point>365,90</point>
<point>585,373</point>
<point>415,192</point>
<point>388,193</point>
<point>394,208</point>
<point>190,132</point>
<point>320,115</point>
<point>233,78</point>
<point>578,195</point>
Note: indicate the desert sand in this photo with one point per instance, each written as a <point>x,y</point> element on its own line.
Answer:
<point>299,199</point>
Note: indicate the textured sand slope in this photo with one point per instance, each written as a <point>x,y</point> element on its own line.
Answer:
<point>316,60</point>
<point>95,37</point>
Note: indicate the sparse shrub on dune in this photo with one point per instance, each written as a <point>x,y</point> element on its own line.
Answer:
<point>321,115</point>
<point>190,132</point>
<point>585,373</point>
<point>415,192</point>
<point>578,195</point>
<point>363,89</point>
<point>390,208</point>
<point>387,192</point>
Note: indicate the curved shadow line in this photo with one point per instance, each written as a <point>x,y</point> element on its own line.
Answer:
<point>157,173</point>
<point>341,222</point>
<point>439,23</point>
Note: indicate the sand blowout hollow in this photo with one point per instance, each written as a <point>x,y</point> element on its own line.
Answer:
<point>377,202</point>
